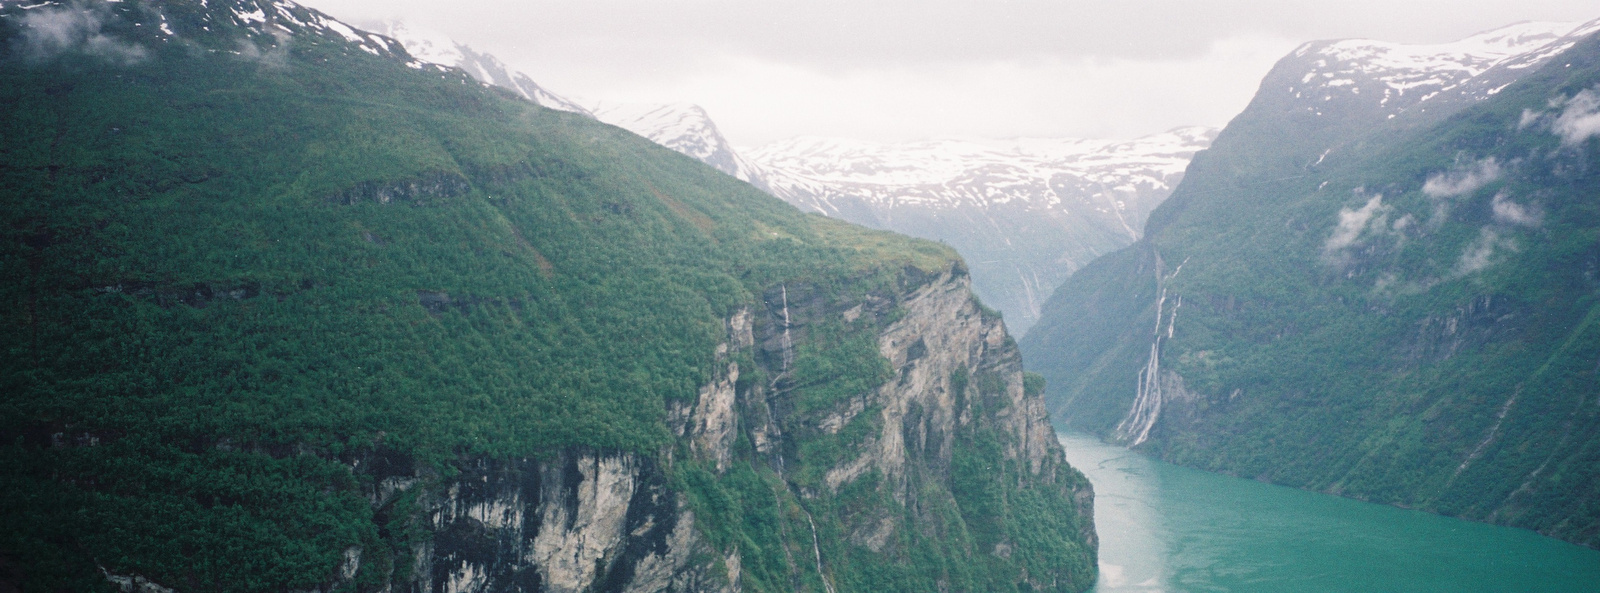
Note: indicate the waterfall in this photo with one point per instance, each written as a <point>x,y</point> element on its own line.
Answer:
<point>817,549</point>
<point>788,345</point>
<point>788,362</point>
<point>1135,427</point>
<point>1488,438</point>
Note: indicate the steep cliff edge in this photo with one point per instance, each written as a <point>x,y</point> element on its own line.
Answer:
<point>294,311</point>
<point>945,476</point>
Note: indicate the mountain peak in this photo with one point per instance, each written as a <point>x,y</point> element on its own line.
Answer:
<point>437,48</point>
<point>683,127</point>
<point>1391,78</point>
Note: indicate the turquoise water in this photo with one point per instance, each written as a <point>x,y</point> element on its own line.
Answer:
<point>1173,529</point>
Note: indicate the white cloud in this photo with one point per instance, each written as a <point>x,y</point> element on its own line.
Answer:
<point>904,69</point>
<point>1509,212</point>
<point>1351,224</point>
<point>1480,253</point>
<point>274,56</point>
<point>1529,117</point>
<point>756,100</point>
<point>1461,182</point>
<point>1580,120</point>
<point>54,30</point>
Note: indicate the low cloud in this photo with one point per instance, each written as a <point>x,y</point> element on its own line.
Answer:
<point>1509,212</point>
<point>49,32</point>
<point>1480,253</point>
<point>1352,222</point>
<point>1462,181</point>
<point>1580,120</point>
<point>275,56</point>
<point>1529,117</point>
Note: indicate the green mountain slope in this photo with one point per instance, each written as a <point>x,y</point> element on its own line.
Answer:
<point>278,294</point>
<point>1396,310</point>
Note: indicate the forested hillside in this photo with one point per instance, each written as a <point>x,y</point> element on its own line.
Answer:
<point>1394,303</point>
<point>282,295</point>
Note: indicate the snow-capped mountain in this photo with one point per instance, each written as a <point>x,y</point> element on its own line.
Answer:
<point>1109,177</point>
<point>436,48</point>
<point>1025,213</point>
<point>1389,79</point>
<point>685,128</point>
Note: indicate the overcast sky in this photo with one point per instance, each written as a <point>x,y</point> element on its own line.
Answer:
<point>905,70</point>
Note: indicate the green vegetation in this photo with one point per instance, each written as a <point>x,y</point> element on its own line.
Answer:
<point>1441,358</point>
<point>233,279</point>
<point>984,523</point>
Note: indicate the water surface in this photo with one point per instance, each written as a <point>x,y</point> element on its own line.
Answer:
<point>1174,529</point>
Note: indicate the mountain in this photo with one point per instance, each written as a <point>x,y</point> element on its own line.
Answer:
<point>436,48</point>
<point>1377,79</point>
<point>683,127</point>
<point>295,310</point>
<point>686,129</point>
<point>1025,213</point>
<point>1379,282</point>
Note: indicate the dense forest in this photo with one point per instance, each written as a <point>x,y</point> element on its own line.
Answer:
<point>246,254</point>
<point>1395,309</point>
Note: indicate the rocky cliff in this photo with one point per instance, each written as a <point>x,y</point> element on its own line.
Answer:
<point>863,479</point>
<point>301,312</point>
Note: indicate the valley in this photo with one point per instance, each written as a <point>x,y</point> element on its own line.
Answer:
<point>313,305</point>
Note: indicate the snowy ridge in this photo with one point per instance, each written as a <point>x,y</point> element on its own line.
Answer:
<point>436,48</point>
<point>263,22</point>
<point>1103,175</point>
<point>684,128</point>
<point>1395,77</point>
<point>1025,213</point>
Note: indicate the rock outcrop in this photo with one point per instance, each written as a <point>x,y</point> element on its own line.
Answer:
<point>589,520</point>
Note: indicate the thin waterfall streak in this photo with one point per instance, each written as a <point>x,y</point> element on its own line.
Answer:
<point>1488,438</point>
<point>816,549</point>
<point>1173,321</point>
<point>788,352</point>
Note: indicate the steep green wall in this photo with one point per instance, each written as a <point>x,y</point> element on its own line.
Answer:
<point>1438,353</point>
<point>240,262</point>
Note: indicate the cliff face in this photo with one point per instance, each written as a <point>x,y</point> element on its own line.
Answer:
<point>302,313</point>
<point>582,521</point>
<point>589,520</point>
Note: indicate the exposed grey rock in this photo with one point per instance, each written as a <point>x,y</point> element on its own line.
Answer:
<point>591,520</point>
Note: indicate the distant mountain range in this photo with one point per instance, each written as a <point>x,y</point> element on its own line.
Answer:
<point>1028,212</point>
<point>1025,213</point>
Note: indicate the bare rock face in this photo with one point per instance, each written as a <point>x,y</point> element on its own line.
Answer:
<point>943,331</point>
<point>588,520</point>
<point>585,520</point>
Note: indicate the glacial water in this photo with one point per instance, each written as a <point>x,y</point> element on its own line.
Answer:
<point>1165,528</point>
